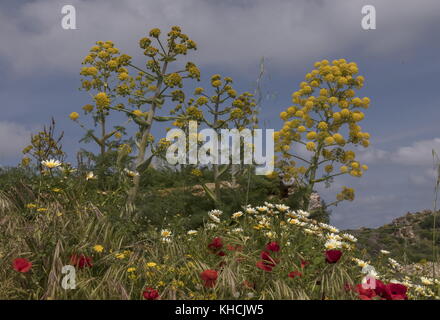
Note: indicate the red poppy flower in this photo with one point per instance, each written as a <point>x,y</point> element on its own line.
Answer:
<point>379,288</point>
<point>273,246</point>
<point>216,244</point>
<point>365,294</point>
<point>294,274</point>
<point>396,291</point>
<point>150,294</point>
<point>221,253</point>
<point>267,262</point>
<point>390,291</point>
<point>265,265</point>
<point>81,261</point>
<point>210,277</point>
<point>304,263</point>
<point>265,256</point>
<point>21,265</point>
<point>333,256</point>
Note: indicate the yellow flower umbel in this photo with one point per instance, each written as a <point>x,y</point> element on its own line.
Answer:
<point>74,116</point>
<point>102,100</point>
<point>104,65</point>
<point>324,118</point>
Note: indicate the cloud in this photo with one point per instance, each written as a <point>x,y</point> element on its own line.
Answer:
<point>13,138</point>
<point>425,177</point>
<point>234,34</point>
<point>373,155</point>
<point>419,153</point>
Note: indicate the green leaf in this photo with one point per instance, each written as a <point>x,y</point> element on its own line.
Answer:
<point>209,193</point>
<point>140,122</point>
<point>162,119</point>
<point>223,170</point>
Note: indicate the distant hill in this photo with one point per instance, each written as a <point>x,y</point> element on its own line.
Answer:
<point>408,238</point>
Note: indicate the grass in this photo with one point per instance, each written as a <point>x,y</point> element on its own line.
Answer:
<point>47,219</point>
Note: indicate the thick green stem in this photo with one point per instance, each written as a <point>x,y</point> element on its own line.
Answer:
<point>216,171</point>
<point>103,133</point>
<point>145,133</point>
<point>311,176</point>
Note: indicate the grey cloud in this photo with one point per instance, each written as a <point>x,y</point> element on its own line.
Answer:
<point>419,153</point>
<point>231,34</point>
<point>13,138</point>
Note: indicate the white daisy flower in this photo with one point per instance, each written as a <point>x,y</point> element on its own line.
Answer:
<point>51,164</point>
<point>165,233</point>
<point>333,244</point>
<point>361,263</point>
<point>333,236</point>
<point>237,215</point>
<point>349,237</point>
<point>426,281</point>
<point>250,210</point>
<point>333,229</point>
<point>302,213</point>
<point>213,217</point>
<point>262,209</point>
<point>211,226</point>
<point>269,205</point>
<point>293,221</point>
<point>282,207</point>
<point>216,212</point>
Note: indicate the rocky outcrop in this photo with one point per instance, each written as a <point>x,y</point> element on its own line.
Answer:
<point>408,238</point>
<point>404,226</point>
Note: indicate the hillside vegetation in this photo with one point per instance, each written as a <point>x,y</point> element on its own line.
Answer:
<point>126,222</point>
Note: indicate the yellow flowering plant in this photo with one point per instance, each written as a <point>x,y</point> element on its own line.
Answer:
<point>222,109</point>
<point>324,120</point>
<point>106,78</point>
<point>151,87</point>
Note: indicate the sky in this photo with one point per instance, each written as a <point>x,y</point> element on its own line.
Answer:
<point>400,60</point>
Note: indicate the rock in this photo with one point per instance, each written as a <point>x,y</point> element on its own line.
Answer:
<point>315,201</point>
